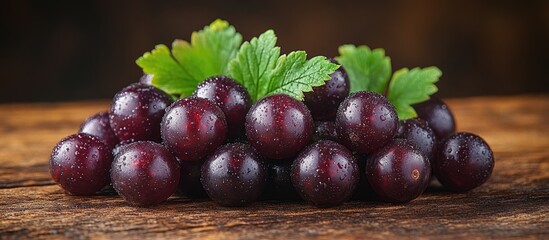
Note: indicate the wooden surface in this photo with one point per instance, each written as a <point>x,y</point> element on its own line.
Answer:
<point>513,203</point>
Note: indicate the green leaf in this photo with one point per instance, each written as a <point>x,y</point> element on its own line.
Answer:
<point>370,71</point>
<point>408,87</point>
<point>254,63</point>
<point>259,67</point>
<point>168,74</point>
<point>295,74</point>
<point>367,69</point>
<point>208,54</point>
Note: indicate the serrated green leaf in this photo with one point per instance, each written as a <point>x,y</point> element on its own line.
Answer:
<point>168,74</point>
<point>408,87</point>
<point>179,72</point>
<point>253,64</point>
<point>295,74</point>
<point>259,67</point>
<point>367,69</point>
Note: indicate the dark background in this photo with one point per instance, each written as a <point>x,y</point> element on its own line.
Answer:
<point>59,51</point>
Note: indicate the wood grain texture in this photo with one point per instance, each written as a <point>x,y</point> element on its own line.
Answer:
<point>513,203</point>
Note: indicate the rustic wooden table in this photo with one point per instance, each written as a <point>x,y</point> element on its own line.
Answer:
<point>513,203</point>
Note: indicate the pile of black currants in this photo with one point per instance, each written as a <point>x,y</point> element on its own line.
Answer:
<point>216,143</point>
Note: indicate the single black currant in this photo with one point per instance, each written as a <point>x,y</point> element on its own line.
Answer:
<point>193,128</point>
<point>438,115</point>
<point>464,162</point>
<point>366,121</point>
<point>325,173</point>
<point>145,173</point>
<point>279,126</point>
<point>136,112</point>
<point>80,163</point>
<point>234,175</point>
<point>398,172</point>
